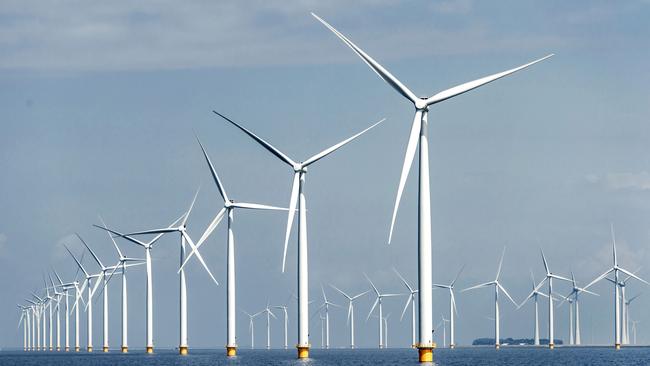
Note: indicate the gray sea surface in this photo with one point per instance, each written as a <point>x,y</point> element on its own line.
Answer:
<point>460,356</point>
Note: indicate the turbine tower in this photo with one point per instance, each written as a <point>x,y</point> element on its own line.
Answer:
<point>184,238</point>
<point>549,279</point>
<point>627,317</point>
<point>419,132</point>
<point>575,296</point>
<point>497,286</point>
<point>228,209</point>
<point>410,300</point>
<point>251,326</point>
<point>379,296</point>
<point>616,269</point>
<point>326,305</point>
<point>269,314</point>
<point>350,320</point>
<point>285,319</point>
<point>534,295</point>
<point>298,198</point>
<point>453,312</point>
<point>89,302</point>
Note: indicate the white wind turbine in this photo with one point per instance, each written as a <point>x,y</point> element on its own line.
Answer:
<point>549,279</point>
<point>251,326</point>
<point>616,269</point>
<point>122,264</point>
<point>626,319</point>
<point>443,323</point>
<point>634,323</point>
<point>229,211</point>
<point>66,288</point>
<point>534,295</point>
<point>497,286</point>
<point>298,198</point>
<point>624,323</point>
<point>57,298</point>
<point>36,324</point>
<point>453,312</point>
<point>269,314</point>
<point>574,298</point>
<point>379,296</point>
<point>419,131</point>
<point>89,303</point>
<point>350,320</point>
<point>24,320</point>
<point>149,291</point>
<point>386,330</point>
<point>286,319</point>
<point>49,299</point>
<point>326,305</point>
<point>410,300</point>
<point>185,238</point>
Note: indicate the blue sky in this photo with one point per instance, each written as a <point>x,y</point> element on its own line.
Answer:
<point>100,102</point>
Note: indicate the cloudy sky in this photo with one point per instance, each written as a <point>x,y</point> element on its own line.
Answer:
<point>100,102</point>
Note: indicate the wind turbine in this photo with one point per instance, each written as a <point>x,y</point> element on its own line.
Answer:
<point>24,320</point>
<point>534,295</point>
<point>269,314</point>
<point>251,326</point>
<point>634,323</point>
<point>419,131</point>
<point>284,311</point>
<point>89,303</point>
<point>379,296</point>
<point>386,330</point>
<point>549,279</point>
<point>350,320</point>
<point>453,312</point>
<point>626,319</point>
<point>326,305</point>
<point>575,293</point>
<point>49,299</point>
<point>149,292</point>
<point>185,238</point>
<point>443,323</point>
<point>298,198</point>
<point>229,210</point>
<point>497,286</point>
<point>57,298</point>
<point>616,269</point>
<point>66,287</point>
<point>624,323</point>
<point>36,324</point>
<point>122,265</point>
<point>409,300</point>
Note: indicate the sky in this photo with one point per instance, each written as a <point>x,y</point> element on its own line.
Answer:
<point>100,103</point>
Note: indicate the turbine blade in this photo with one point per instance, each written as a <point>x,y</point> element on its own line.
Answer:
<point>599,278</point>
<point>463,88</point>
<point>403,280</point>
<point>259,140</point>
<point>341,291</point>
<point>198,255</point>
<point>507,294</point>
<point>372,284</point>
<point>453,301</point>
<point>503,253</point>
<point>347,322</point>
<point>155,231</point>
<point>374,65</point>
<point>213,225</point>
<point>125,236</point>
<point>292,211</point>
<point>119,252</point>
<point>545,262</point>
<point>406,306</point>
<point>611,227</point>
<point>406,167</point>
<point>331,149</point>
<point>457,275</point>
<point>75,259</point>
<point>101,265</point>
<point>633,275</point>
<point>372,308</point>
<point>256,206</point>
<point>187,214</point>
<point>213,171</point>
<point>478,286</point>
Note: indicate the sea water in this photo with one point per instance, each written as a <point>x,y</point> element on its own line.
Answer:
<point>529,356</point>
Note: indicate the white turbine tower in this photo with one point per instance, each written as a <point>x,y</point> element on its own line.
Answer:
<point>251,326</point>
<point>298,198</point>
<point>626,319</point>
<point>122,265</point>
<point>229,211</point>
<point>419,132</point>
<point>350,320</point>
<point>57,298</point>
<point>36,327</point>
<point>574,298</point>
<point>534,295</point>
<point>89,303</point>
<point>49,299</point>
<point>386,330</point>
<point>379,296</point>
<point>66,288</point>
<point>549,279</point>
<point>624,316</point>
<point>443,323</point>
<point>185,238</point>
<point>285,319</point>
<point>497,286</point>
<point>453,312</point>
<point>410,300</point>
<point>634,323</point>
<point>149,291</point>
<point>269,314</point>
<point>616,269</point>
<point>326,305</point>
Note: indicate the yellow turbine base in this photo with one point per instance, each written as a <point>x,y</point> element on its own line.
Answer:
<point>90,348</point>
<point>125,349</point>
<point>58,349</point>
<point>51,349</point>
<point>231,351</point>
<point>425,354</point>
<point>452,346</point>
<point>149,350</point>
<point>77,349</point>
<point>182,350</point>
<point>617,346</point>
<point>67,349</point>
<point>303,351</point>
<point>104,349</point>
<point>497,346</point>
<point>551,346</point>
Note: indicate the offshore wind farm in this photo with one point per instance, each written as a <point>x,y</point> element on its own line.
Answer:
<point>523,240</point>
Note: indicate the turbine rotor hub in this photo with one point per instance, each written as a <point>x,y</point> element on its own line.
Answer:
<point>421,104</point>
